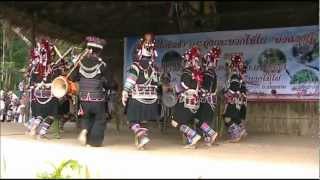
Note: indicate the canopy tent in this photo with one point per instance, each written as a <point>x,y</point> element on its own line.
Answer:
<point>74,20</point>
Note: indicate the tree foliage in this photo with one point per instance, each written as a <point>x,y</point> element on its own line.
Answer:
<point>16,56</point>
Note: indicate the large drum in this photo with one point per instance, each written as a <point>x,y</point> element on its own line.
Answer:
<point>169,99</point>
<point>61,86</point>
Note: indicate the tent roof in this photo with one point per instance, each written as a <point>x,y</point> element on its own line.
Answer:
<point>111,19</point>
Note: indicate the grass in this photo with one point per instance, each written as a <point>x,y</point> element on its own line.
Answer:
<point>65,170</point>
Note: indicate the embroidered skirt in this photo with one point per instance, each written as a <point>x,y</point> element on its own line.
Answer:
<point>44,110</point>
<point>232,112</point>
<point>205,113</point>
<point>138,111</point>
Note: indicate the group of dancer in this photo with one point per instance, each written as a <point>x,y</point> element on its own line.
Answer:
<point>196,93</point>
<point>93,77</point>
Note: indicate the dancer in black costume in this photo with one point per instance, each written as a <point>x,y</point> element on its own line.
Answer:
<point>232,113</point>
<point>94,78</point>
<point>208,97</point>
<point>188,92</point>
<point>141,90</point>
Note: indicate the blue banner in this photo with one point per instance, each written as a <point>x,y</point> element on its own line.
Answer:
<point>283,63</point>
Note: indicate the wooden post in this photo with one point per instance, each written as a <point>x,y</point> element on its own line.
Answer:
<point>33,30</point>
<point>201,7</point>
<point>3,54</point>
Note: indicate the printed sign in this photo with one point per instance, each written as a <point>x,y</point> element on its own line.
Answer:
<point>283,63</point>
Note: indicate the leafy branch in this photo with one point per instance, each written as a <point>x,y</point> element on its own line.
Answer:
<point>66,169</point>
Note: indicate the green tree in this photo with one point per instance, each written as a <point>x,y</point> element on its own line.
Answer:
<point>15,53</point>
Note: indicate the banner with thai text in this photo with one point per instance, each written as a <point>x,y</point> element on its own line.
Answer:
<point>283,63</point>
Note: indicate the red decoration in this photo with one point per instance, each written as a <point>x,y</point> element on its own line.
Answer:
<point>213,55</point>
<point>198,76</point>
<point>215,52</point>
<point>237,64</point>
<point>236,59</point>
<point>41,57</point>
<point>192,54</point>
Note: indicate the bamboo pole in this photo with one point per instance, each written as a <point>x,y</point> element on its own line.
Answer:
<point>6,78</point>
<point>10,63</point>
<point>17,30</point>
<point>9,81</point>
<point>33,30</point>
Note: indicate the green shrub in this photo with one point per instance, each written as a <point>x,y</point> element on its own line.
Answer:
<point>66,169</point>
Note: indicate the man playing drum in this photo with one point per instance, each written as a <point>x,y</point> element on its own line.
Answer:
<point>43,104</point>
<point>232,95</point>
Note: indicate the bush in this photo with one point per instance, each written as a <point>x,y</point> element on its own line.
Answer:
<point>66,169</point>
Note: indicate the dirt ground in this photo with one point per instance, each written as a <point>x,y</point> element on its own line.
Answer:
<point>258,156</point>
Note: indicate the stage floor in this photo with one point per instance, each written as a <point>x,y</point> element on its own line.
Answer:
<point>258,156</point>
